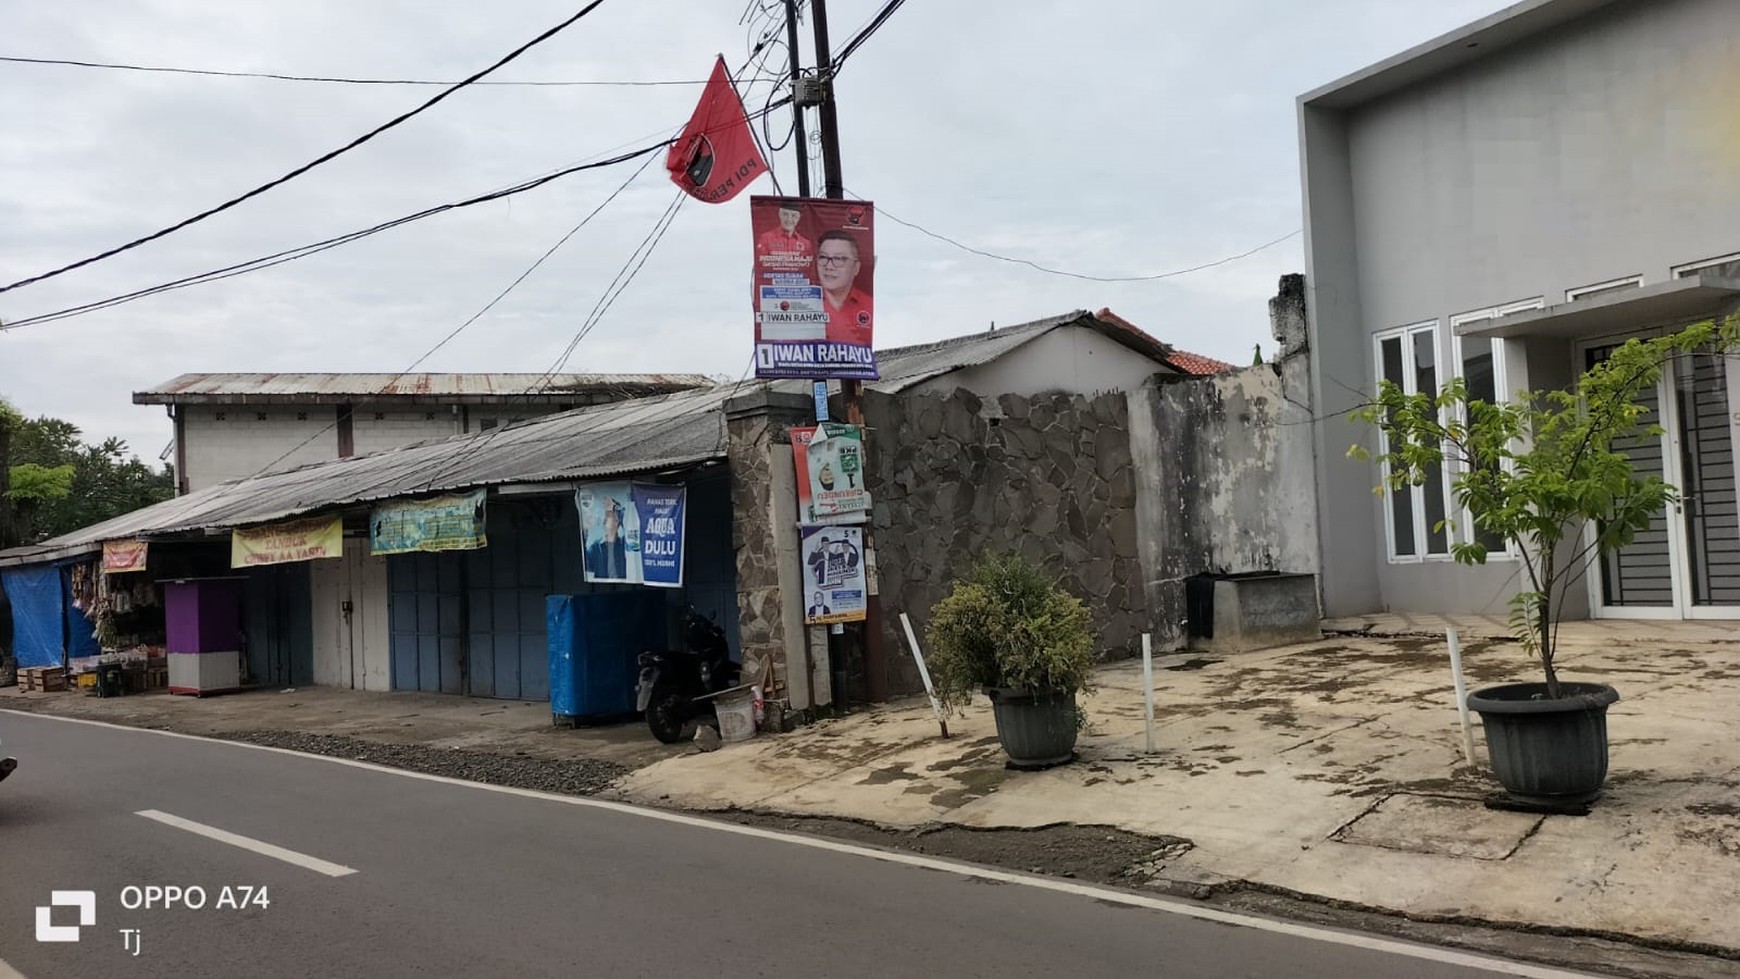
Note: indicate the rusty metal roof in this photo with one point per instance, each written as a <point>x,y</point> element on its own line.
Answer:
<point>640,436</point>
<point>445,388</point>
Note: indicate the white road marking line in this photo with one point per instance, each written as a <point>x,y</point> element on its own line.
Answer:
<point>1387,946</point>
<point>7,972</point>
<point>303,860</point>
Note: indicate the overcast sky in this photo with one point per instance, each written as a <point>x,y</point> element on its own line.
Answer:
<point>1114,137</point>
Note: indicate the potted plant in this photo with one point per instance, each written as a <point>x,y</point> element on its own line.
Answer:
<point>1025,643</point>
<point>1541,472</point>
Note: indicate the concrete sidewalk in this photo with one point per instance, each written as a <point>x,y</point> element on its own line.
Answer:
<point>1332,769</point>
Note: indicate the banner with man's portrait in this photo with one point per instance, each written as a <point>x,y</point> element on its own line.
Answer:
<point>814,305</point>
<point>632,533</point>
<point>835,586</point>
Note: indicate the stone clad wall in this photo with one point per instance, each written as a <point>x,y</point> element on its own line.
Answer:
<point>955,477</point>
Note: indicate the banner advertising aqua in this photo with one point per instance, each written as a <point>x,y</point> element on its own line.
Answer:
<point>632,533</point>
<point>814,304</point>
<point>834,581</point>
<point>446,523</point>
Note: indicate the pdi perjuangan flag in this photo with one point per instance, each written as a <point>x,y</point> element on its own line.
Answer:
<point>662,511</point>
<point>716,157</point>
<point>812,291</point>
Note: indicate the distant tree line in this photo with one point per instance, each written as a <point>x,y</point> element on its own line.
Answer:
<point>52,482</point>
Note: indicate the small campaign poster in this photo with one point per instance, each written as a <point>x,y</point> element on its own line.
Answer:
<point>835,588</point>
<point>632,533</point>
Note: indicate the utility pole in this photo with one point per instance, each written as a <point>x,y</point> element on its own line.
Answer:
<point>799,137</point>
<point>851,392</point>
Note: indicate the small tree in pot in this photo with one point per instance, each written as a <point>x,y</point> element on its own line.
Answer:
<point>1027,644</point>
<point>1536,471</point>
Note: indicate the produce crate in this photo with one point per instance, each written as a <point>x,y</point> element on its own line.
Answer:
<point>156,677</point>
<point>46,679</point>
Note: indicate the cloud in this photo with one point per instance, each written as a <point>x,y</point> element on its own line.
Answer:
<point>1145,137</point>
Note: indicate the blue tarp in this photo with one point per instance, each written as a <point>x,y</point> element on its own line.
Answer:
<point>81,631</point>
<point>38,600</point>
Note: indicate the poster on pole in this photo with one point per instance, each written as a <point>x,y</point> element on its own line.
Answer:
<point>836,470</point>
<point>813,295</point>
<point>834,583</point>
<point>802,436</point>
<point>632,533</point>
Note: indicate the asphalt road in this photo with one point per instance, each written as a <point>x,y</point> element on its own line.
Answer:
<point>459,880</point>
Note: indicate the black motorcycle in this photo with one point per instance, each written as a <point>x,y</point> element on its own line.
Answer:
<point>676,685</point>
<point>7,765</point>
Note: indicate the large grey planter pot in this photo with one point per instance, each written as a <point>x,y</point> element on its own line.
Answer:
<point>1549,753</point>
<point>1036,731</point>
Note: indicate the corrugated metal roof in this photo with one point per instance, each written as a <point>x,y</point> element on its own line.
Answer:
<point>644,435</point>
<point>456,386</point>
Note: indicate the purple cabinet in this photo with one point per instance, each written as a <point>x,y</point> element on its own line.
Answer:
<point>203,615</point>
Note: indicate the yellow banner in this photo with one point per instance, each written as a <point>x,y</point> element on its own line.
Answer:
<point>284,543</point>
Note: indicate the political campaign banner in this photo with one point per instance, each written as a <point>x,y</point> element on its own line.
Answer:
<point>287,542</point>
<point>836,470</point>
<point>835,588</point>
<point>632,533</point>
<point>445,523</point>
<point>807,482</point>
<point>813,295</point>
<point>716,157</point>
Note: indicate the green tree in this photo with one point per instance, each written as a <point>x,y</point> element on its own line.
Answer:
<point>1539,468</point>
<point>52,483</point>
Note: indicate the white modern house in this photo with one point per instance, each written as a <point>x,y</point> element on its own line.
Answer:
<point>1505,203</point>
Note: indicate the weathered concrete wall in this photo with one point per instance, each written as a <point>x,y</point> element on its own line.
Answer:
<point>1225,466</point>
<point>764,532</point>
<point>954,477</point>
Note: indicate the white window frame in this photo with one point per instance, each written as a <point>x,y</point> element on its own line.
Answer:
<point>1464,531</point>
<point>1422,530</point>
<point>1572,295</point>
<point>1691,268</point>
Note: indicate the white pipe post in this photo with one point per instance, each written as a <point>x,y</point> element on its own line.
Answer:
<point>942,719</point>
<point>1461,696</point>
<point>1148,686</point>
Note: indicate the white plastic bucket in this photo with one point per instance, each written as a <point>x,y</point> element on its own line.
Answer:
<point>736,716</point>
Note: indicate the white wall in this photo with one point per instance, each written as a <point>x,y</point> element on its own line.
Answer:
<point>1069,359</point>
<point>377,430</point>
<point>231,442</point>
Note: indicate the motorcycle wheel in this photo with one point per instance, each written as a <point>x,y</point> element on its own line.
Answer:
<point>666,714</point>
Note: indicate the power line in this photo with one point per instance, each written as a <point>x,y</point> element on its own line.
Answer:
<point>1079,275</point>
<point>618,284</point>
<point>461,328</point>
<point>864,32</point>
<point>353,144</point>
<point>334,80</point>
<point>304,251</point>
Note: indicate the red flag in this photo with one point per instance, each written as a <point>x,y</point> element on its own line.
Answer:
<point>716,156</point>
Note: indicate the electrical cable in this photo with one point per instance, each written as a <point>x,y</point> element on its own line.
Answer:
<point>865,32</point>
<point>620,283</point>
<point>1079,275</point>
<point>461,328</point>
<point>293,174</point>
<point>332,80</point>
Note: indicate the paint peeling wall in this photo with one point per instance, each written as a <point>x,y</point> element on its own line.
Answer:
<point>1225,470</point>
